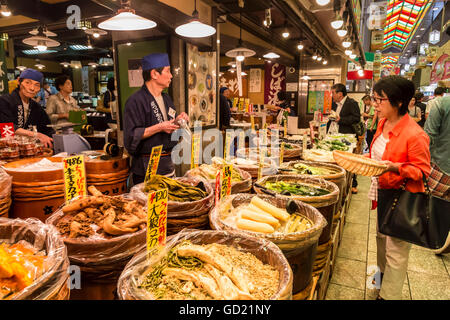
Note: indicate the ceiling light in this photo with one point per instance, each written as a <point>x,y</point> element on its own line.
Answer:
<point>128,43</point>
<point>346,43</point>
<point>435,37</point>
<point>243,73</point>
<point>361,73</point>
<point>92,64</point>
<point>314,57</point>
<point>65,64</point>
<point>21,68</point>
<point>240,53</point>
<point>348,52</point>
<point>325,62</point>
<point>41,45</point>
<point>39,66</point>
<point>240,57</point>
<point>412,60</point>
<point>306,77</point>
<point>352,56</point>
<point>267,18</point>
<point>40,41</point>
<point>435,8</point>
<point>285,34</point>
<point>337,23</point>
<point>126,20</point>
<point>322,2</point>
<point>407,66</point>
<point>194,28</point>
<point>95,32</point>
<point>89,45</point>
<point>342,32</point>
<point>84,25</point>
<point>319,58</point>
<point>5,10</point>
<point>421,29</point>
<point>271,55</point>
<point>300,46</point>
<point>358,67</point>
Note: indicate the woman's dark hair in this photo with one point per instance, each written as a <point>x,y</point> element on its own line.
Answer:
<point>110,85</point>
<point>339,87</point>
<point>398,90</point>
<point>281,95</point>
<point>60,81</point>
<point>418,96</point>
<point>365,97</point>
<point>147,74</point>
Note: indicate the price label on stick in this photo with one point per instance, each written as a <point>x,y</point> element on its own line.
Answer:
<point>263,133</point>
<point>252,121</point>
<point>153,162</point>
<point>285,128</point>
<point>218,187</point>
<point>262,154</point>
<point>281,152</point>
<point>74,177</point>
<point>241,140</point>
<point>157,218</point>
<point>304,145</point>
<point>226,182</point>
<point>195,150</point>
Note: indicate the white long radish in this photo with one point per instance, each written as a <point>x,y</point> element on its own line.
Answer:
<point>250,225</point>
<point>259,217</point>
<point>278,213</point>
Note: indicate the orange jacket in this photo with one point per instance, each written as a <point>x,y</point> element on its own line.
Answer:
<point>409,145</point>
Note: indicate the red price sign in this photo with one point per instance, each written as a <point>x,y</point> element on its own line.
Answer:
<point>157,218</point>
<point>7,129</point>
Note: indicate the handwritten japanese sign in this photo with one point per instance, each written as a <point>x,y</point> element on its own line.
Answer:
<point>153,162</point>
<point>195,150</point>
<point>226,182</point>
<point>7,129</point>
<point>218,185</point>
<point>304,144</point>
<point>74,177</point>
<point>274,82</point>
<point>157,218</point>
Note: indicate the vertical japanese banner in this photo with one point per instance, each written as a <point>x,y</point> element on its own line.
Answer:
<point>195,150</point>
<point>218,187</point>
<point>157,218</point>
<point>274,82</point>
<point>226,182</point>
<point>262,154</point>
<point>7,129</point>
<point>4,89</point>
<point>74,177</point>
<point>153,162</point>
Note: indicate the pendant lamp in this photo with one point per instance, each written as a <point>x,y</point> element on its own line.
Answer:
<point>240,53</point>
<point>194,28</point>
<point>40,40</point>
<point>126,20</point>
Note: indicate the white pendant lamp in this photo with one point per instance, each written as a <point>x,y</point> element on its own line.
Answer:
<point>338,22</point>
<point>300,46</point>
<point>95,32</point>
<point>21,68</point>
<point>346,43</point>
<point>194,28</point>
<point>348,52</point>
<point>325,62</point>
<point>271,55</point>
<point>342,33</point>
<point>65,64</point>
<point>126,20</point>
<point>5,11</point>
<point>40,40</point>
<point>322,2</point>
<point>240,53</point>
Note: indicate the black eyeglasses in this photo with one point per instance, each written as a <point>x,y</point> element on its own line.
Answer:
<point>378,100</point>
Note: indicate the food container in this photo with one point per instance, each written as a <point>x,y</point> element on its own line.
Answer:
<point>262,249</point>
<point>299,248</point>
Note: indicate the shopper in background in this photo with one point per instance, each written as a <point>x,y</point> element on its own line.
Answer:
<point>413,111</point>
<point>404,147</point>
<point>438,93</point>
<point>283,104</point>
<point>150,118</point>
<point>347,114</point>
<point>19,108</point>
<point>59,105</point>
<point>419,103</point>
<point>225,108</point>
<point>368,113</point>
<point>437,126</point>
<point>109,95</point>
<point>46,91</point>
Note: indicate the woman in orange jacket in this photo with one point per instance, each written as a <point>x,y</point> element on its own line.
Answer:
<point>403,145</point>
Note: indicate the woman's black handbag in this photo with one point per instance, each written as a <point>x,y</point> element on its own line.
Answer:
<point>418,218</point>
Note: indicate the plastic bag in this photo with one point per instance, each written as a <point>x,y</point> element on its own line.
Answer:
<point>289,243</point>
<point>180,215</point>
<point>52,283</point>
<point>263,249</point>
<point>5,192</point>
<point>100,256</point>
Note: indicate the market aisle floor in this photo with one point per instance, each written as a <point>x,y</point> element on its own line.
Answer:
<point>428,276</point>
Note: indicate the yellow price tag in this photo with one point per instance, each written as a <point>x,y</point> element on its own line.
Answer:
<point>157,218</point>
<point>226,182</point>
<point>153,162</point>
<point>74,177</point>
<point>195,150</point>
<point>285,128</point>
<point>252,121</point>
<point>262,154</point>
<point>281,152</point>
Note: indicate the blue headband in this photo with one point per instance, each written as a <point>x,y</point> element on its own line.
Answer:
<point>32,74</point>
<point>155,60</point>
<point>223,89</point>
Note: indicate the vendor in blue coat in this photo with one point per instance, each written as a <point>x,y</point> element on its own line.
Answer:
<point>150,118</point>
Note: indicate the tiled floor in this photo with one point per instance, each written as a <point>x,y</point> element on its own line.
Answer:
<point>428,276</point>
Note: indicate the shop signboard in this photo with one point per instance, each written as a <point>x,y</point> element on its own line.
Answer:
<point>274,82</point>
<point>255,80</point>
<point>319,96</point>
<point>441,69</point>
<point>377,15</point>
<point>377,38</point>
<point>157,218</point>
<point>354,74</point>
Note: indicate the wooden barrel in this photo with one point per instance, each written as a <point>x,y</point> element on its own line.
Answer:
<point>35,193</point>
<point>108,176</point>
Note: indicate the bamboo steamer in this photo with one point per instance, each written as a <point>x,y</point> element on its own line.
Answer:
<point>108,176</point>
<point>262,249</point>
<point>325,204</point>
<point>35,194</point>
<point>299,248</point>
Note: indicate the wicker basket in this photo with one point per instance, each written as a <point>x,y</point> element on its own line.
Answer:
<point>358,164</point>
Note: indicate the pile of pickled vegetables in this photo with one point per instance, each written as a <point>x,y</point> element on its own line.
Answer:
<point>209,171</point>
<point>178,191</point>
<point>211,271</point>
<point>301,168</point>
<point>20,266</point>
<point>332,144</point>
<point>293,188</point>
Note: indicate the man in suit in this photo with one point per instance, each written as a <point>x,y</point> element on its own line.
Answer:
<point>347,114</point>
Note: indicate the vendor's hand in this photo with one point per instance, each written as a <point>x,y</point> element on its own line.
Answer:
<point>168,126</point>
<point>288,109</point>
<point>184,116</point>
<point>46,140</point>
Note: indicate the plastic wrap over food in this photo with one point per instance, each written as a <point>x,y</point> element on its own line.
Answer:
<point>51,281</point>
<point>252,167</point>
<point>264,250</point>
<point>316,201</point>
<point>105,255</point>
<point>333,172</point>
<point>244,185</point>
<point>5,184</point>
<point>289,243</point>
<point>176,209</point>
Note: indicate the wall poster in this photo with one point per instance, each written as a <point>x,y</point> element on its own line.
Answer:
<point>201,83</point>
<point>319,96</point>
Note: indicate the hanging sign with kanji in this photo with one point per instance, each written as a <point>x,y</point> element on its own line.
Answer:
<point>226,182</point>
<point>74,177</point>
<point>157,218</point>
<point>7,129</point>
<point>153,162</point>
